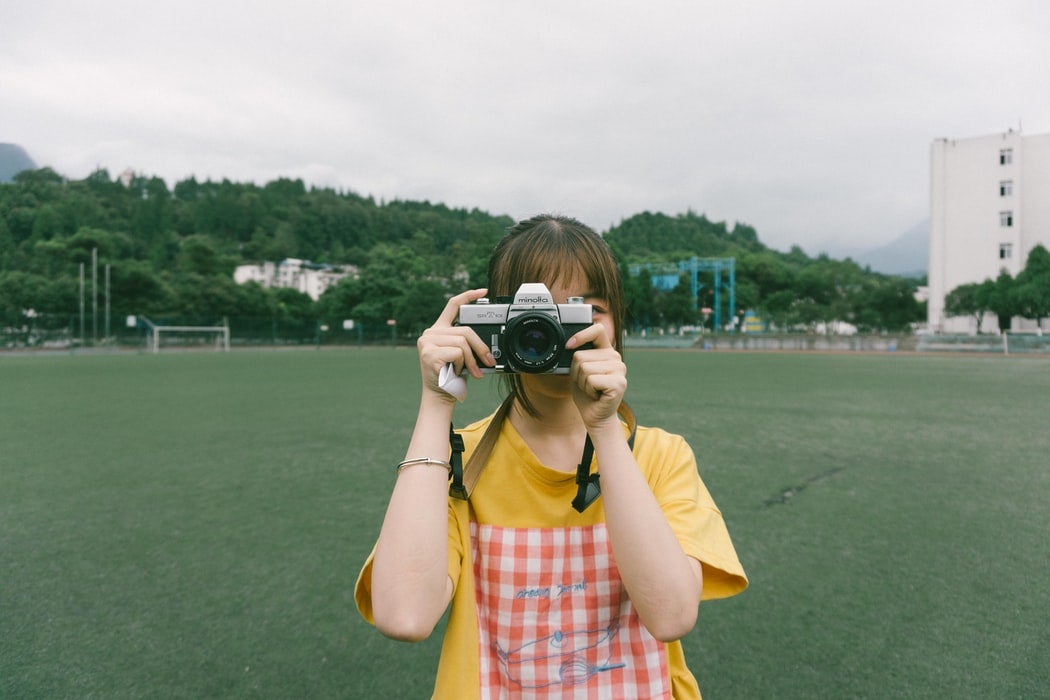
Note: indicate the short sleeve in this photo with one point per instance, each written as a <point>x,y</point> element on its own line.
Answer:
<point>363,586</point>
<point>671,469</point>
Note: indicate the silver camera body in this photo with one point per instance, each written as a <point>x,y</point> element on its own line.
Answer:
<point>527,334</point>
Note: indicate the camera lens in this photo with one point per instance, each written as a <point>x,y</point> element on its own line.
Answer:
<point>533,342</point>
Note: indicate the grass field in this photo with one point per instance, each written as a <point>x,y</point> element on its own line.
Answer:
<point>191,525</point>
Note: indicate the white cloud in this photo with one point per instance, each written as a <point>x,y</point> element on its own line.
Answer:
<point>810,121</point>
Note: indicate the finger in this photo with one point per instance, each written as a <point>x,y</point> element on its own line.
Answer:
<point>583,371</point>
<point>595,334</point>
<point>597,361</point>
<point>598,387</point>
<point>476,348</point>
<point>602,364</point>
<point>459,345</point>
<point>472,349</point>
<point>451,311</point>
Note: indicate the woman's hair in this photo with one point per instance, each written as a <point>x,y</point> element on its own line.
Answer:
<point>552,249</point>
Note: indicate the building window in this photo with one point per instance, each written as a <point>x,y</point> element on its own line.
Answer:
<point>1006,251</point>
<point>1006,156</point>
<point>1006,188</point>
<point>1006,218</point>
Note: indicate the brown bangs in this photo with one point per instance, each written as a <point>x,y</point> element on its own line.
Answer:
<point>552,259</point>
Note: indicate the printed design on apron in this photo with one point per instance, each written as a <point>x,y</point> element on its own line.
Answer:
<point>554,618</point>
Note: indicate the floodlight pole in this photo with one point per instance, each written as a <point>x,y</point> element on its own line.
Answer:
<point>81,304</point>
<point>107,302</point>
<point>94,297</point>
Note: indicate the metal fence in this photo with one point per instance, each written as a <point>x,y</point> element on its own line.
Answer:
<point>60,332</point>
<point>1004,344</point>
<point>780,341</point>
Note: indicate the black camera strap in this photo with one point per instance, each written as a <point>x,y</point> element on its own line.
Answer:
<point>455,459</point>
<point>588,488</point>
<point>464,478</point>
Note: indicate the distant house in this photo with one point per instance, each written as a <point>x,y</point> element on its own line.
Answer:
<point>291,273</point>
<point>989,206</point>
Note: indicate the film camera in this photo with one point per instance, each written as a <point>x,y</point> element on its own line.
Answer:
<point>527,334</point>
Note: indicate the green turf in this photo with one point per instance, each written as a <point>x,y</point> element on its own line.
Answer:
<point>190,525</point>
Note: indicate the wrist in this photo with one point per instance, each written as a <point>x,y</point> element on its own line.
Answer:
<point>425,462</point>
<point>606,429</point>
<point>437,400</point>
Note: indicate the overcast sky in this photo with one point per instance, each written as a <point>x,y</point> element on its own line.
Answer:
<point>809,120</point>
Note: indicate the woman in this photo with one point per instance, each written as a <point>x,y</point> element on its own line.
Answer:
<point>548,599</point>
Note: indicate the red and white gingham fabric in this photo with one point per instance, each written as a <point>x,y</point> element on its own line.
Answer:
<point>554,620</point>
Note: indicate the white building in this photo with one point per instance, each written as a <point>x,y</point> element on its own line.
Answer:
<point>989,206</point>
<point>291,273</point>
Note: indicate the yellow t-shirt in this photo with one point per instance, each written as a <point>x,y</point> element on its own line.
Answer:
<point>538,608</point>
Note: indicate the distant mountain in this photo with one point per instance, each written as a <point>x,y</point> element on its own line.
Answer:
<point>13,160</point>
<point>908,255</point>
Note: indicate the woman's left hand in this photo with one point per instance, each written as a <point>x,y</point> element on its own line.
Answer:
<point>598,376</point>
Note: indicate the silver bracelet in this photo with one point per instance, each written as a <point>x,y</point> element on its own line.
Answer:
<point>425,460</point>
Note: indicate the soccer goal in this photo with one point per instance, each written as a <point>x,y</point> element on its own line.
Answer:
<point>189,335</point>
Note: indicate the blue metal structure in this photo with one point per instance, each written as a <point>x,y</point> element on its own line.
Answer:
<point>721,268</point>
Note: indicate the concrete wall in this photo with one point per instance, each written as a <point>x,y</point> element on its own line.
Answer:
<point>969,240</point>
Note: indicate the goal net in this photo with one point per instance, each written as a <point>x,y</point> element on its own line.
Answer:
<point>188,336</point>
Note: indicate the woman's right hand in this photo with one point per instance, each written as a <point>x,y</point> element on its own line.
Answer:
<point>445,343</point>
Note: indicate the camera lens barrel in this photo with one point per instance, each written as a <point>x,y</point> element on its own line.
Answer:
<point>533,342</point>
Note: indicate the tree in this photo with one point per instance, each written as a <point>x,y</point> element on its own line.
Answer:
<point>777,307</point>
<point>675,306</point>
<point>47,223</point>
<point>61,295</point>
<point>641,299</point>
<point>212,296</point>
<point>198,255</point>
<point>111,246</point>
<point>1001,299</point>
<point>889,305</point>
<point>387,286</point>
<point>20,291</point>
<point>747,295</point>
<point>168,248</point>
<point>967,300</point>
<point>821,294</point>
<point>293,304</point>
<point>255,301</point>
<point>766,271</point>
<point>420,303</point>
<point>152,212</point>
<point>136,289</point>
<point>44,182</point>
<point>1032,286</point>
